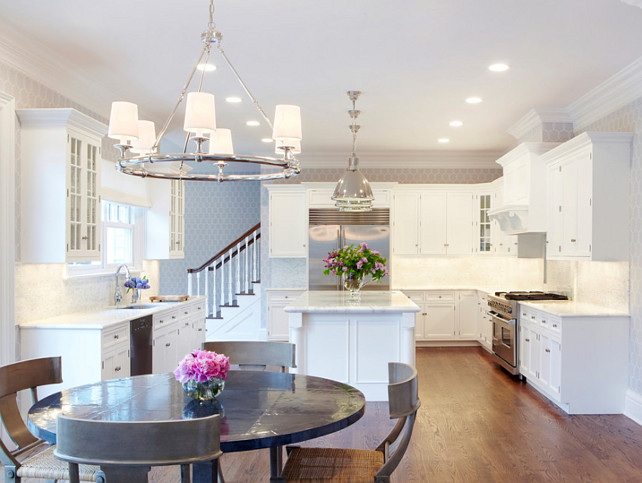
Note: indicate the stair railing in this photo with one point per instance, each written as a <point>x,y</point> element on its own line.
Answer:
<point>231,272</point>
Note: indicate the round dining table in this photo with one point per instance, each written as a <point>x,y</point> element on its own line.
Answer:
<point>258,409</point>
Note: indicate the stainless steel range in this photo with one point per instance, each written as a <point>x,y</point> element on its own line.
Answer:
<point>504,310</point>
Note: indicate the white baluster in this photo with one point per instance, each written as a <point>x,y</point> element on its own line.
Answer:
<point>190,276</point>
<point>246,273</point>
<point>223,291</point>
<point>238,269</point>
<point>207,285</point>
<point>198,283</point>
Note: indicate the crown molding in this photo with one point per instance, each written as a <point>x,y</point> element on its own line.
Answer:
<point>405,159</point>
<point>635,3</point>
<point>47,67</point>
<point>60,117</point>
<point>616,92</point>
<point>535,118</point>
<point>586,139</point>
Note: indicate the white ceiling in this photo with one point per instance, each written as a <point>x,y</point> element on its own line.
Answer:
<point>415,61</point>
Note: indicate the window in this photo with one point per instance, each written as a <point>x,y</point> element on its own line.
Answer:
<point>122,240</point>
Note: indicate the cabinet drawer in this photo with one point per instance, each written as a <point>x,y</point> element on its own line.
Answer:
<point>416,297</point>
<point>115,335</point>
<point>441,297</point>
<point>165,318</point>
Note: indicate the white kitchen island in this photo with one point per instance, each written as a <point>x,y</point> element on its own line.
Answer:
<point>352,342</point>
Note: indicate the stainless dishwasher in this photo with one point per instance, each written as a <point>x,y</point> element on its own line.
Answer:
<point>140,345</point>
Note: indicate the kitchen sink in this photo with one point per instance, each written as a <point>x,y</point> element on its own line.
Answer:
<point>138,306</point>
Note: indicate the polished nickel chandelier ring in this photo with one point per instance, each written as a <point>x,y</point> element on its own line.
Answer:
<point>139,146</point>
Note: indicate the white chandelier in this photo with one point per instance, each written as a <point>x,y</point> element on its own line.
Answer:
<point>353,192</point>
<point>139,145</point>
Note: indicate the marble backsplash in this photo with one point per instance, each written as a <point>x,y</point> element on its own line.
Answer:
<point>599,283</point>
<point>43,290</point>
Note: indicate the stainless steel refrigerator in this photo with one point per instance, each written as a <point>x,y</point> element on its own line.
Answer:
<point>330,229</point>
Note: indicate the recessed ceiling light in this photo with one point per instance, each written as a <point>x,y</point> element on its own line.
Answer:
<point>266,140</point>
<point>233,99</point>
<point>474,100</point>
<point>253,123</point>
<point>498,67</point>
<point>206,67</point>
<point>456,123</point>
<point>443,140</point>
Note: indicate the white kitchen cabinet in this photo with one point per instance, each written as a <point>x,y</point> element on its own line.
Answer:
<point>577,361</point>
<point>418,297</point>
<point>440,319</point>
<point>468,315</point>
<point>485,321</point>
<point>166,219</point>
<point>483,224</point>
<point>60,187</point>
<point>320,195</point>
<point>437,221</point>
<point>502,243</point>
<point>588,197</point>
<point>116,362</point>
<point>278,321</point>
<point>288,221</point>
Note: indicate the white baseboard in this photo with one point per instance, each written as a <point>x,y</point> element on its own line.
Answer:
<point>633,406</point>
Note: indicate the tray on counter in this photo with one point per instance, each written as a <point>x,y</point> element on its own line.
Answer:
<point>169,298</point>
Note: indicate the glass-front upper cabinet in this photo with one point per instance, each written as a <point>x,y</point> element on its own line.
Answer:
<point>484,224</point>
<point>177,219</point>
<point>60,186</point>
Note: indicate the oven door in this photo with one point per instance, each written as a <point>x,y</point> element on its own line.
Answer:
<point>504,339</point>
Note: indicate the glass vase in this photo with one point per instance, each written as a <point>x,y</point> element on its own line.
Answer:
<point>353,285</point>
<point>203,391</point>
<point>136,295</point>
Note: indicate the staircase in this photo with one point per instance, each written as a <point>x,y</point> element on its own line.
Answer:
<point>230,281</point>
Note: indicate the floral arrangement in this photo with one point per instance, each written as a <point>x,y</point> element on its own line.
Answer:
<point>136,282</point>
<point>356,262</point>
<point>202,366</point>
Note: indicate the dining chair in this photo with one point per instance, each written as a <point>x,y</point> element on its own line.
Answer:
<point>31,457</point>
<point>350,465</point>
<point>126,450</point>
<point>255,354</point>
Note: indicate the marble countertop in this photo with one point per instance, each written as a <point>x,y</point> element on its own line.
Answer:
<point>570,308</point>
<point>103,317</point>
<point>339,302</point>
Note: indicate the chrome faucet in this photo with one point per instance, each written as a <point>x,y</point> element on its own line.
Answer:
<point>118,296</point>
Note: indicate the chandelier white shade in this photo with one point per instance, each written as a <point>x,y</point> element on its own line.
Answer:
<point>139,145</point>
<point>221,142</point>
<point>146,138</point>
<point>200,114</point>
<point>123,121</point>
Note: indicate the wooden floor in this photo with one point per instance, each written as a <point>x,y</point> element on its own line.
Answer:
<point>477,424</point>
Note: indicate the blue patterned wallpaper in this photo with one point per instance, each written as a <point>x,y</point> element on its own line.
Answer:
<point>215,215</point>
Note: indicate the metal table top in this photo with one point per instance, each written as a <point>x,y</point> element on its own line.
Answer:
<point>259,409</point>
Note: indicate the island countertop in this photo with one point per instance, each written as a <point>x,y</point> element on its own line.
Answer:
<point>339,302</point>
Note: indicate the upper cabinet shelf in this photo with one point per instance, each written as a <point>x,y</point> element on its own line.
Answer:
<point>59,186</point>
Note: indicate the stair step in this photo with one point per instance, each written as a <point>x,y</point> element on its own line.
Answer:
<point>211,317</point>
<point>245,293</point>
<point>229,305</point>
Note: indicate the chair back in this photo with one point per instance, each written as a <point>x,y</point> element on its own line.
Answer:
<point>138,443</point>
<point>403,403</point>
<point>17,377</point>
<point>255,353</point>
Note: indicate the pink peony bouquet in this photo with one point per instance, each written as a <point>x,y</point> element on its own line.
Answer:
<point>202,366</point>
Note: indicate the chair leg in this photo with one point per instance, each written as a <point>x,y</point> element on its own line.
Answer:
<point>74,475</point>
<point>186,475</point>
<point>276,461</point>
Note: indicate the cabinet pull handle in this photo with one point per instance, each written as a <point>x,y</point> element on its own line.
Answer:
<point>199,308</point>
<point>186,312</point>
<point>200,330</point>
<point>547,350</point>
<point>527,340</point>
<point>555,325</point>
<point>173,317</point>
<point>117,368</point>
<point>168,344</point>
<point>116,336</point>
<point>544,322</point>
<point>533,317</point>
<point>573,240</point>
<point>85,238</point>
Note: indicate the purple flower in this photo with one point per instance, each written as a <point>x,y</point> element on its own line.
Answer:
<point>345,269</point>
<point>201,366</point>
<point>359,264</point>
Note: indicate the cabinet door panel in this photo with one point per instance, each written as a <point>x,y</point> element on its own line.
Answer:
<point>459,224</point>
<point>468,315</point>
<point>288,224</point>
<point>440,322</point>
<point>584,205</point>
<point>569,208</point>
<point>433,224</point>
<point>405,220</point>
